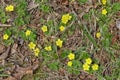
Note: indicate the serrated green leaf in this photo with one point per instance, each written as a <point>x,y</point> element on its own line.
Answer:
<point>53,66</point>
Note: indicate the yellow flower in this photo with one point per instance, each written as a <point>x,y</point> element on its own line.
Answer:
<point>27,33</point>
<point>98,34</point>
<point>72,0</point>
<point>86,67</point>
<point>32,45</point>
<point>88,61</point>
<point>48,48</point>
<point>62,28</point>
<point>59,43</point>
<point>5,36</point>
<point>69,63</point>
<point>66,18</point>
<point>69,16</point>
<point>71,56</point>
<point>95,67</point>
<point>104,2</point>
<point>36,51</point>
<point>44,28</point>
<point>9,8</point>
<point>104,11</point>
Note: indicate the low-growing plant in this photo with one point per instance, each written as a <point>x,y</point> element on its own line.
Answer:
<point>3,16</point>
<point>54,51</point>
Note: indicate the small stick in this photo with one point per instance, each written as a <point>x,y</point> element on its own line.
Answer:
<point>5,25</point>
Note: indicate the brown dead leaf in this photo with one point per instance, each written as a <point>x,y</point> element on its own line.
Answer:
<point>65,2</point>
<point>20,72</point>
<point>18,76</point>
<point>118,24</point>
<point>5,54</point>
<point>62,71</point>
<point>11,78</point>
<point>114,39</point>
<point>2,48</point>
<point>14,48</point>
<point>24,70</point>
<point>32,5</point>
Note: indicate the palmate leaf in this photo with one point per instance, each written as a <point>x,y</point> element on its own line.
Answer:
<point>54,66</point>
<point>4,75</point>
<point>116,7</point>
<point>82,1</point>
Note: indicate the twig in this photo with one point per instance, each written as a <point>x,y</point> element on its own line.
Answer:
<point>5,25</point>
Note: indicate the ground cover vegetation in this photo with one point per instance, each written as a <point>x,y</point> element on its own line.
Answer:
<point>60,40</point>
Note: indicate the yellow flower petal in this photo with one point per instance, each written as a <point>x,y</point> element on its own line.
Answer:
<point>36,52</point>
<point>44,28</point>
<point>104,2</point>
<point>71,56</point>
<point>66,18</point>
<point>5,36</point>
<point>48,48</point>
<point>27,33</point>
<point>59,43</point>
<point>98,34</point>
<point>95,67</point>
<point>62,28</point>
<point>88,61</point>
<point>9,8</point>
<point>69,63</point>
<point>32,45</point>
<point>86,67</point>
<point>104,11</point>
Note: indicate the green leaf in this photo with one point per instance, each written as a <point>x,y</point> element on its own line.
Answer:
<point>36,78</point>
<point>53,66</point>
<point>8,42</point>
<point>4,75</point>
<point>116,7</point>
<point>64,54</point>
<point>83,55</point>
<point>32,37</point>
<point>8,32</point>
<point>46,56</point>
<point>86,16</point>
<point>45,8</point>
<point>19,21</point>
<point>76,64</point>
<point>22,35</point>
<point>82,1</point>
<point>1,69</point>
<point>3,16</point>
<point>3,20</point>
